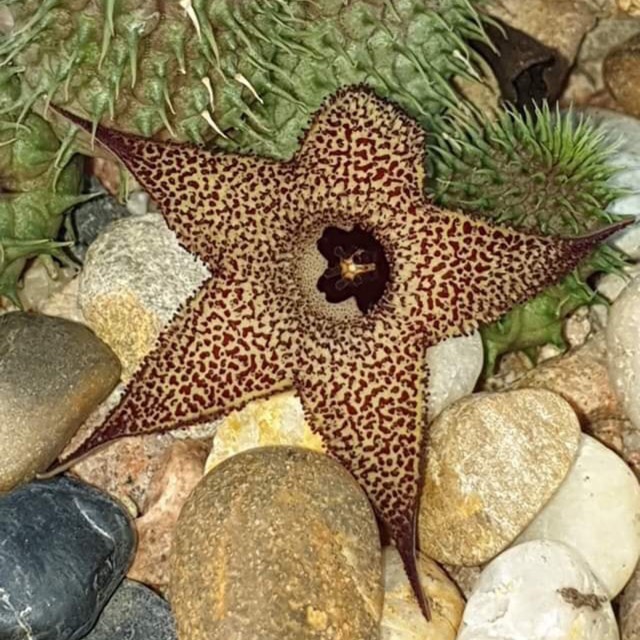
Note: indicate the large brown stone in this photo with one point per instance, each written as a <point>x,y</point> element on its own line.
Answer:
<point>53,373</point>
<point>277,543</point>
<point>493,462</point>
<point>622,75</point>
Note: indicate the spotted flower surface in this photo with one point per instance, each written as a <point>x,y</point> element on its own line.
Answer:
<point>332,274</point>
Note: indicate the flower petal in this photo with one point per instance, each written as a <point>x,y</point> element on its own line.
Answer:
<point>362,391</point>
<point>219,353</point>
<point>362,147</point>
<point>208,198</point>
<point>454,271</point>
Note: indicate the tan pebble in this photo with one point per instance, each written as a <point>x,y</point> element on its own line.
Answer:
<point>277,543</point>
<point>53,373</point>
<point>493,461</point>
<point>581,378</point>
<point>179,471</point>
<point>632,7</point>
<point>621,71</point>
<point>560,25</point>
<point>401,616</point>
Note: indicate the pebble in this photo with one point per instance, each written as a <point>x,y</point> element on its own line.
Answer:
<point>53,373</point>
<point>180,469</point>
<point>283,521</point>
<point>632,7</point>
<point>65,302</point>
<point>402,618</point>
<point>623,349</point>
<point>622,75</point>
<point>126,467</point>
<point>538,591</point>
<point>493,461</point>
<point>629,612</point>
<point>581,378</point>
<point>454,368</point>
<point>559,24</point>
<point>587,77</point>
<point>41,281</point>
<point>135,278</point>
<point>134,613</point>
<point>277,420</point>
<point>65,548</point>
<point>89,219</point>
<point>596,511</point>
<point>623,132</point>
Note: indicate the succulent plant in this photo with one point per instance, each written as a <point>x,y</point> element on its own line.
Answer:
<point>247,74</point>
<point>540,171</point>
<point>36,187</point>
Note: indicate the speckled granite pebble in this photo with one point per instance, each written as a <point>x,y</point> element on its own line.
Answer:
<point>277,543</point>
<point>134,613</point>
<point>53,373</point>
<point>135,278</point>
<point>64,548</point>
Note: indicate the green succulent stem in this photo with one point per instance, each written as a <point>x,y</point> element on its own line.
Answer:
<point>544,171</point>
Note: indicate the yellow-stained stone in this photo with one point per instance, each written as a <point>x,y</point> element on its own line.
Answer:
<point>277,543</point>
<point>621,70</point>
<point>493,461</point>
<point>107,314</point>
<point>278,420</point>
<point>632,7</point>
<point>401,615</point>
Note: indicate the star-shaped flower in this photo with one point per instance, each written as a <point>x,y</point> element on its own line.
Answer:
<point>332,274</point>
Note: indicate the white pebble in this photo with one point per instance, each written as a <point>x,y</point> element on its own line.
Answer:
<point>596,511</point>
<point>623,349</point>
<point>538,590</point>
<point>454,367</point>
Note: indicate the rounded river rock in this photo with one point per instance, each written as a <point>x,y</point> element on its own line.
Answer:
<point>277,543</point>
<point>134,612</point>
<point>493,461</point>
<point>64,548</point>
<point>53,374</point>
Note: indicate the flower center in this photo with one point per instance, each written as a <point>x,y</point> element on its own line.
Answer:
<point>357,266</point>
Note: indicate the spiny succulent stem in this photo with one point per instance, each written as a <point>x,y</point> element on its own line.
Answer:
<point>41,12</point>
<point>133,39</point>
<point>191,14</point>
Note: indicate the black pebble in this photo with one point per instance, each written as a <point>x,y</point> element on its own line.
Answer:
<point>135,613</point>
<point>64,548</point>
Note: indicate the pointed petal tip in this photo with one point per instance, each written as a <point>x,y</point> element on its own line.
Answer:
<point>407,550</point>
<point>600,235</point>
